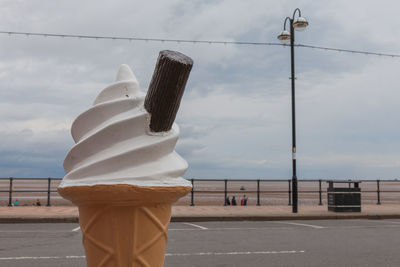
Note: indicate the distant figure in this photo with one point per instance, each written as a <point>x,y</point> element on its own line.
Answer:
<point>233,201</point>
<point>243,201</point>
<point>38,202</point>
<point>16,203</point>
<point>227,201</point>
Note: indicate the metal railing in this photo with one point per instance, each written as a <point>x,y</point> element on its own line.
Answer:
<point>258,191</point>
<point>11,189</point>
<point>226,190</point>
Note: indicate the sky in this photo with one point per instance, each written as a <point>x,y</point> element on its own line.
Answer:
<point>235,115</point>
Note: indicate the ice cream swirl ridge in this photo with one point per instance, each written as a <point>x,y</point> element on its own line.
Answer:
<point>114,144</point>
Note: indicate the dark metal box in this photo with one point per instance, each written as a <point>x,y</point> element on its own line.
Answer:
<point>342,199</point>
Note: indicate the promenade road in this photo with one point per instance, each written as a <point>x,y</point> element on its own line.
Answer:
<point>308,243</point>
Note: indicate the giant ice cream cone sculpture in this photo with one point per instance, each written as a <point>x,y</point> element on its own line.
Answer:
<point>123,172</point>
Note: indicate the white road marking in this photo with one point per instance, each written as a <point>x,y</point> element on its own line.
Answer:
<point>43,258</point>
<point>366,226</point>
<point>234,253</point>
<point>232,228</point>
<point>167,255</point>
<point>32,231</point>
<point>183,229</point>
<point>252,228</point>
<point>389,221</point>
<point>196,225</point>
<point>303,224</point>
<point>76,229</point>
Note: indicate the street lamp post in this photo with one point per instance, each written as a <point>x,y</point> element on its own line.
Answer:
<point>299,24</point>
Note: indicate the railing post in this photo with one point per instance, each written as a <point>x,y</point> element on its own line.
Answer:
<point>10,192</point>
<point>225,191</point>
<point>192,194</point>
<point>48,191</point>
<point>258,192</point>
<point>320,192</point>
<point>290,193</point>
<point>378,191</point>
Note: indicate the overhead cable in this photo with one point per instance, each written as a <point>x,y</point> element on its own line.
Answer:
<point>98,37</point>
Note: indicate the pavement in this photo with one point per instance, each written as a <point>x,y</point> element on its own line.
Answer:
<point>62,214</point>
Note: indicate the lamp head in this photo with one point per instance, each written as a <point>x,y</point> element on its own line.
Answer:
<point>300,23</point>
<point>284,37</point>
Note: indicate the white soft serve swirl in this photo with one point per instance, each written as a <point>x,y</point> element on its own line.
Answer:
<point>114,144</point>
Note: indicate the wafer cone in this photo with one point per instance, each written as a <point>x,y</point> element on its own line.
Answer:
<point>124,225</point>
<point>125,236</point>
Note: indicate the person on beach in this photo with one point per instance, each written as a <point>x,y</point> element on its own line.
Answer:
<point>243,201</point>
<point>227,201</point>
<point>16,203</point>
<point>38,202</point>
<point>233,201</point>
